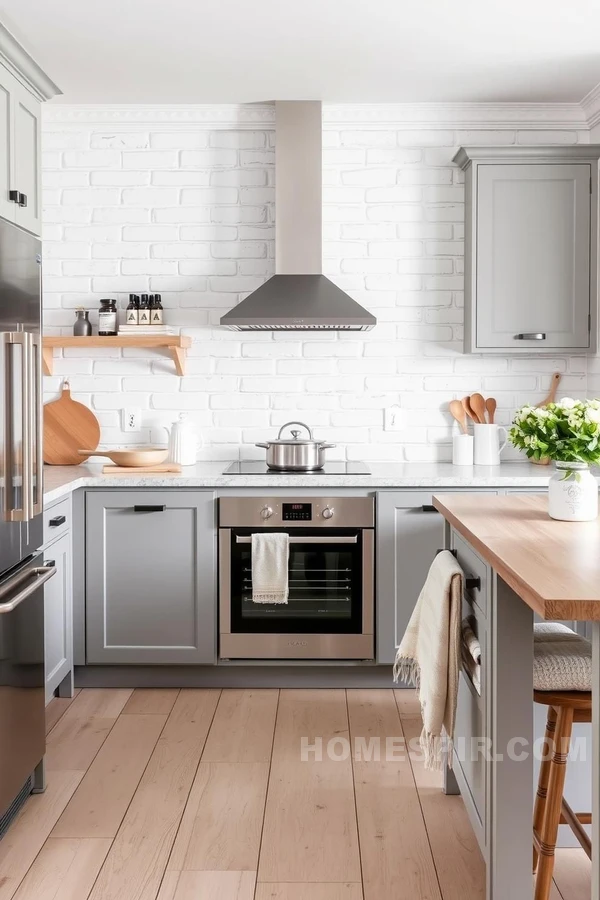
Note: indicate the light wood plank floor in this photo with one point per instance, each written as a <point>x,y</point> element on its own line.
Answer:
<point>203,795</point>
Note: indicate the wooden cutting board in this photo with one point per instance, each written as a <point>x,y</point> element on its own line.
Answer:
<point>68,425</point>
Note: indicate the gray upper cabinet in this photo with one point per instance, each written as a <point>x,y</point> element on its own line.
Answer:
<point>530,248</point>
<point>150,577</point>
<point>23,88</point>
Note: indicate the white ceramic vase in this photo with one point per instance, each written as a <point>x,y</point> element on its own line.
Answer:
<point>572,493</point>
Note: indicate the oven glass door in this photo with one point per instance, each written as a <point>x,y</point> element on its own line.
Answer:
<point>325,585</point>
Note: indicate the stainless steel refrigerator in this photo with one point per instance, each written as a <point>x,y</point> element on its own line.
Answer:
<point>22,572</point>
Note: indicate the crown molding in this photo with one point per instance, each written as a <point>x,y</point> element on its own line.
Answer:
<point>591,106</point>
<point>465,116</point>
<point>24,68</point>
<point>127,117</point>
<point>533,116</point>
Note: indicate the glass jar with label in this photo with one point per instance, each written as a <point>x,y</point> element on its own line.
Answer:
<point>107,318</point>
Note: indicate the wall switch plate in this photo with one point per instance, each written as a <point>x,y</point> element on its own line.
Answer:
<point>132,419</point>
<point>393,418</point>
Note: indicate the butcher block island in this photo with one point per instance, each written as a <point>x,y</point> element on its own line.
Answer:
<point>524,564</point>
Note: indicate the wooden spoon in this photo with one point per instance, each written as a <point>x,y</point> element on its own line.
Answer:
<point>478,406</point>
<point>466,405</point>
<point>553,389</point>
<point>490,405</point>
<point>457,410</point>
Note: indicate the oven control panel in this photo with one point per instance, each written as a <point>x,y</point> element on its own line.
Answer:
<point>295,512</point>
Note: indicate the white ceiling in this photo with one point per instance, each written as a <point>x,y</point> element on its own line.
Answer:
<point>194,51</point>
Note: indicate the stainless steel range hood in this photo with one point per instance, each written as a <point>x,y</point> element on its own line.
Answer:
<point>298,297</point>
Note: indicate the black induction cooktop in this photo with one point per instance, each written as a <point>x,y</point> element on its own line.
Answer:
<point>255,467</point>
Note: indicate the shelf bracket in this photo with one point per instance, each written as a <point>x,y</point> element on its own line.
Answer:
<point>178,354</point>
<point>47,360</point>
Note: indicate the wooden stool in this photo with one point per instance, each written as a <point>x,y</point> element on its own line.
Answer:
<point>551,808</point>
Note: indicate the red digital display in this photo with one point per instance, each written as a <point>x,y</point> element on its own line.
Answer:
<point>295,511</point>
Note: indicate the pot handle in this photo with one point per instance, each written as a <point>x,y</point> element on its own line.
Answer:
<point>266,446</point>
<point>295,423</point>
<point>328,446</point>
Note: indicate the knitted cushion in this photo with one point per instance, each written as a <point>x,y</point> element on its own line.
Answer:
<point>562,659</point>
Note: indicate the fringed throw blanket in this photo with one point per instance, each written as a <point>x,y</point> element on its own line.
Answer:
<point>429,655</point>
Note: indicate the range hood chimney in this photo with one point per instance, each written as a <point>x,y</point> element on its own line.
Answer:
<point>298,297</point>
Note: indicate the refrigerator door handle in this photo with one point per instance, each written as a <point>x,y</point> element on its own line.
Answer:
<point>33,579</point>
<point>14,513</point>
<point>37,457</point>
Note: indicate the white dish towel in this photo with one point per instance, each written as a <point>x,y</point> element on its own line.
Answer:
<point>429,655</point>
<point>270,557</point>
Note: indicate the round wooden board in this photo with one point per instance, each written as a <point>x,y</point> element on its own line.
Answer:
<point>68,426</point>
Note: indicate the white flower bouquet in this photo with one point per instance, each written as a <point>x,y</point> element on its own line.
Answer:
<point>566,431</point>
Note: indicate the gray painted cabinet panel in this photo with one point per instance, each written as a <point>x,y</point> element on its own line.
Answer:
<point>530,248</point>
<point>533,255</point>
<point>58,613</point>
<point>407,540</point>
<point>150,577</point>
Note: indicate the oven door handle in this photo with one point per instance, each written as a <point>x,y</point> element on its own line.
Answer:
<point>342,539</point>
<point>40,574</point>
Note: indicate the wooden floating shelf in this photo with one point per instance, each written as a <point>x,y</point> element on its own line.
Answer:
<point>176,344</point>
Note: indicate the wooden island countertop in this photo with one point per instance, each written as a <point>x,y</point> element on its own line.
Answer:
<point>553,566</point>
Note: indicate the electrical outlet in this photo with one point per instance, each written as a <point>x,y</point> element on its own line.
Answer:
<point>132,419</point>
<point>393,418</point>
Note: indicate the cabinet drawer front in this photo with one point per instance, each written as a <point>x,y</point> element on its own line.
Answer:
<point>472,564</point>
<point>57,519</point>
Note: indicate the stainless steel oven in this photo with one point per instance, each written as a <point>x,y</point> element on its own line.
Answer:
<point>330,610</point>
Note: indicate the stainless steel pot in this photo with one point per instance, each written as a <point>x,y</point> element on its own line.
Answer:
<point>295,455</point>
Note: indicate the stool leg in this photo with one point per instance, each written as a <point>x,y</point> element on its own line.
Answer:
<point>542,789</point>
<point>556,783</point>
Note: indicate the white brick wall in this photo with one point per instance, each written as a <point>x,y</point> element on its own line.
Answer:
<point>189,212</point>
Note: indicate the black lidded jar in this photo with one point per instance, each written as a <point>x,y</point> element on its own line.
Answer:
<point>107,318</point>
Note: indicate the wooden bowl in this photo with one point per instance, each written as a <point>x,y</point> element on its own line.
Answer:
<point>136,456</point>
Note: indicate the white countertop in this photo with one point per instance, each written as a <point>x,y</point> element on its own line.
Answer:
<point>62,480</point>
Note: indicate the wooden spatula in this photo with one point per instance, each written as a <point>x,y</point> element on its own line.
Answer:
<point>490,405</point>
<point>457,410</point>
<point>478,406</point>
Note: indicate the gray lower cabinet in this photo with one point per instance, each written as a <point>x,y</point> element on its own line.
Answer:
<point>409,531</point>
<point>150,577</point>
<point>58,618</point>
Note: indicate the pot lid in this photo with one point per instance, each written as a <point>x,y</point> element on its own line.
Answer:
<point>295,440</point>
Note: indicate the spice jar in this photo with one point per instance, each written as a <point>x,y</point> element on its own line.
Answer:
<point>107,318</point>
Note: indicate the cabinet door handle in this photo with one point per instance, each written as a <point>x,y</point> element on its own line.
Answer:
<point>149,508</point>
<point>13,196</point>
<point>531,336</point>
<point>22,199</point>
<point>57,520</point>
<point>429,507</point>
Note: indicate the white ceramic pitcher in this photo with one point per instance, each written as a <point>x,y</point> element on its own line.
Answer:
<point>487,447</point>
<point>183,442</point>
